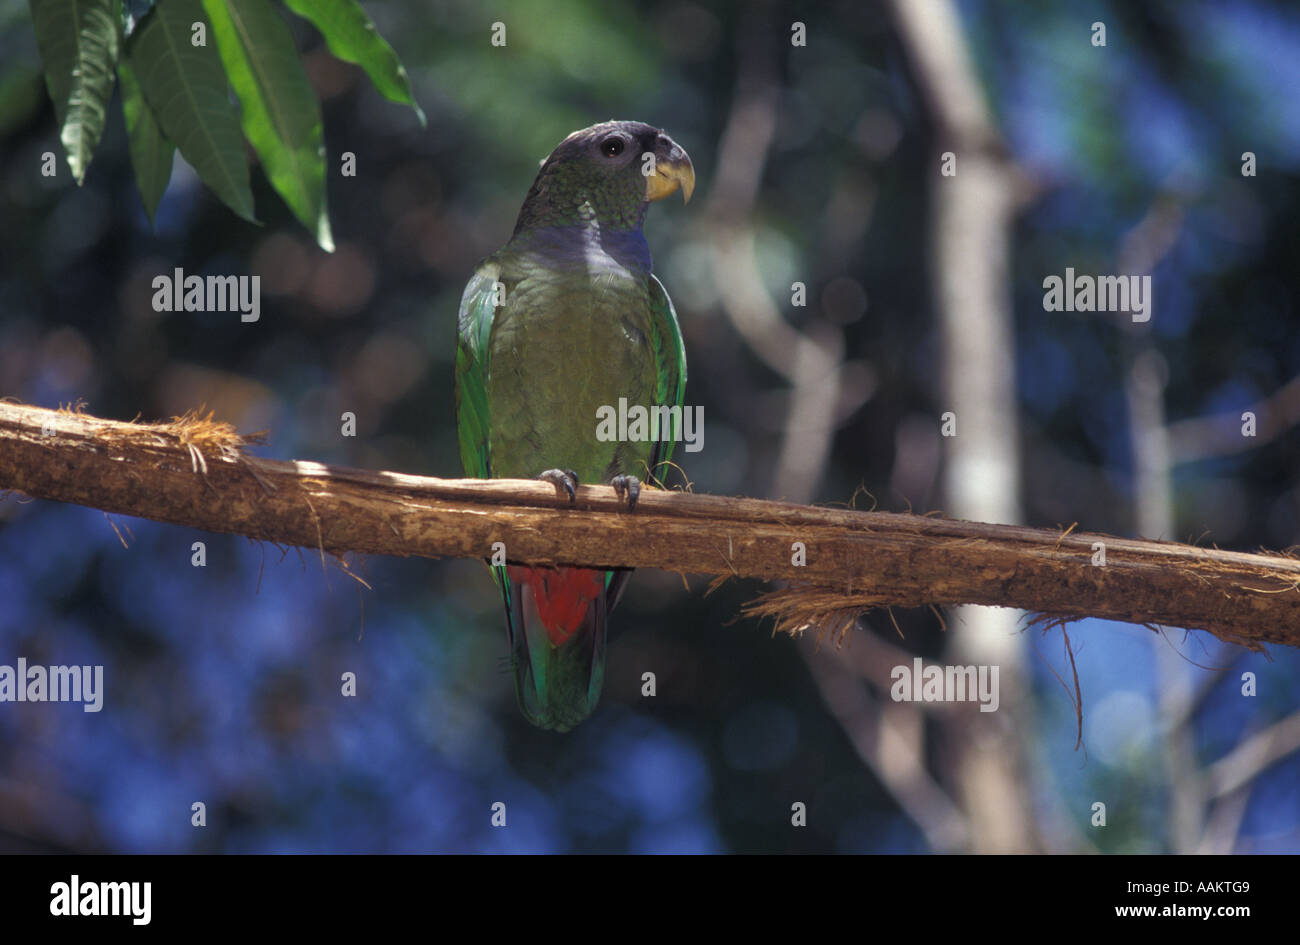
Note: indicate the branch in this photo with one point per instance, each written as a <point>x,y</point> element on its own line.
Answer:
<point>1200,438</point>
<point>889,738</point>
<point>1249,759</point>
<point>194,472</point>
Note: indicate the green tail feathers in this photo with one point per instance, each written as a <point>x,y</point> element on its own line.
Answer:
<point>556,620</point>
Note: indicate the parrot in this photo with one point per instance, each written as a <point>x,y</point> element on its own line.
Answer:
<point>565,319</point>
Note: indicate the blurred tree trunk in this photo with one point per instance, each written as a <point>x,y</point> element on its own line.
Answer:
<point>972,217</point>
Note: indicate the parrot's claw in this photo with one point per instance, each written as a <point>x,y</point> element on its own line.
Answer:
<point>565,482</point>
<point>629,485</point>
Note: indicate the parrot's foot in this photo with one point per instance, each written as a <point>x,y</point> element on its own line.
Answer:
<point>629,485</point>
<point>565,482</point>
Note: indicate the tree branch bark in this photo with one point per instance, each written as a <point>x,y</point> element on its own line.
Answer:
<point>195,472</point>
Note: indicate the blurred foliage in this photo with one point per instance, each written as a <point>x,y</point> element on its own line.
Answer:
<point>223,682</point>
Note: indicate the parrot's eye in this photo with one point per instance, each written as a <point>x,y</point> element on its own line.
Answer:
<point>611,147</point>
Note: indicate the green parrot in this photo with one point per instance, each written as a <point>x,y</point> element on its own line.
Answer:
<point>565,319</point>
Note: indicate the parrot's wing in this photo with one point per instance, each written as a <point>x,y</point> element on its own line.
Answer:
<point>670,388</point>
<point>473,414</point>
<point>670,365</point>
<point>474,328</point>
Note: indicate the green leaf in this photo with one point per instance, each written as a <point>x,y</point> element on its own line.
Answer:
<point>151,152</point>
<point>352,37</point>
<point>186,90</point>
<point>78,40</point>
<point>280,114</point>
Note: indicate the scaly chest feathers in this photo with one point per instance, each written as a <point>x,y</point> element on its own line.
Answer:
<point>566,343</point>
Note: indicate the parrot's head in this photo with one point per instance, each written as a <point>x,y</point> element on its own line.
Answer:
<point>606,175</point>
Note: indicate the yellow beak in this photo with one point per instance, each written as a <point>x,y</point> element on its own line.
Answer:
<point>673,169</point>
